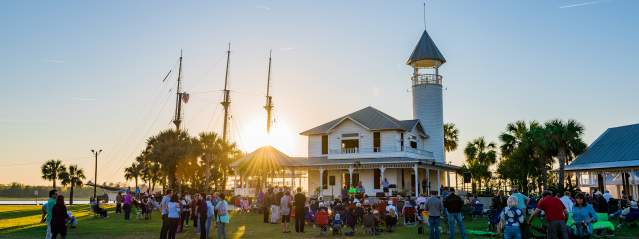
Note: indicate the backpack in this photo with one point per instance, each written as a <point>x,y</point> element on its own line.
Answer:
<point>392,213</point>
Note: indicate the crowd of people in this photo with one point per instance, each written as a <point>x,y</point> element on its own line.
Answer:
<point>354,212</point>
<point>517,212</point>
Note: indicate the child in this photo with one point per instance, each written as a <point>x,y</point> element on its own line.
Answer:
<point>350,221</point>
<point>321,219</point>
<point>337,224</point>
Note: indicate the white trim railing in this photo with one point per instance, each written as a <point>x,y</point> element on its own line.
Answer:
<point>430,79</point>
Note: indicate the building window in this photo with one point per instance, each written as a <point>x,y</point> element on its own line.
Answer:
<point>377,141</point>
<point>377,177</point>
<point>401,141</point>
<point>350,143</point>
<point>413,141</point>
<point>325,180</point>
<point>324,144</point>
<point>347,180</point>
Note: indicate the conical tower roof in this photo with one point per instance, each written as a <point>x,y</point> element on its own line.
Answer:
<point>426,53</point>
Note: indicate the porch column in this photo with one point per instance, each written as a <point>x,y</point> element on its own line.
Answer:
<point>321,189</point>
<point>416,169</point>
<point>350,176</point>
<point>578,178</point>
<point>456,181</point>
<point>439,184</point>
<point>381,176</point>
<point>427,181</point>
<point>447,178</point>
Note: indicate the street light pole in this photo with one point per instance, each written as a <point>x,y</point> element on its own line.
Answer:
<point>95,178</point>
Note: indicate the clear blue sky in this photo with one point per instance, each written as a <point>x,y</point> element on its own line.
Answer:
<point>79,74</point>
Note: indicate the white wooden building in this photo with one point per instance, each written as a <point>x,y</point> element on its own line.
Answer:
<point>369,145</point>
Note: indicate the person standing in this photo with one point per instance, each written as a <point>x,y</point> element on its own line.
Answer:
<point>118,203</point>
<point>285,210</point>
<point>59,218</point>
<point>300,202</point>
<point>434,206</point>
<point>173,215</point>
<point>127,202</point>
<point>203,213</point>
<point>567,201</point>
<point>385,186</point>
<point>453,205</point>
<point>47,211</point>
<point>513,217</point>
<point>556,215</point>
<point>222,216</point>
<point>522,203</point>
<point>165,213</point>
<point>210,214</point>
<point>266,204</point>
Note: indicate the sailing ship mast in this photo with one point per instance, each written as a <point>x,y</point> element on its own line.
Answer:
<point>177,120</point>
<point>227,99</point>
<point>269,99</point>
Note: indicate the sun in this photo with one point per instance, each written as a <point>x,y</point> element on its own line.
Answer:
<point>253,135</point>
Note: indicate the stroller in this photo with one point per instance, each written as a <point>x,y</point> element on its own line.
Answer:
<point>410,217</point>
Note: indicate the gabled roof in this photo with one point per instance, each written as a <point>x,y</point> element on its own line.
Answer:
<point>369,118</point>
<point>426,52</point>
<point>616,147</point>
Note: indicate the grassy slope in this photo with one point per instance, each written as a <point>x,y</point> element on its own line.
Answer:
<point>23,222</point>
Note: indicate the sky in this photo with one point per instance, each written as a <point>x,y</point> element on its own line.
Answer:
<point>82,75</point>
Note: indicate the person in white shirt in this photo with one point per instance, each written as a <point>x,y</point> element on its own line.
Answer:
<point>607,196</point>
<point>567,201</point>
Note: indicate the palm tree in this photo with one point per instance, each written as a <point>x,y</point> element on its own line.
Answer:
<point>72,177</point>
<point>451,137</point>
<point>167,149</point>
<point>52,169</point>
<point>564,139</point>
<point>211,148</point>
<point>133,172</point>
<point>480,155</point>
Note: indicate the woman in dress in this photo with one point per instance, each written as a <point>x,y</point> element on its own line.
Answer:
<point>59,218</point>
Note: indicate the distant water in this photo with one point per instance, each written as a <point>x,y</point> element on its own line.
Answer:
<point>39,202</point>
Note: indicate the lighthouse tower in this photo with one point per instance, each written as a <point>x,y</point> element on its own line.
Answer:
<point>427,93</point>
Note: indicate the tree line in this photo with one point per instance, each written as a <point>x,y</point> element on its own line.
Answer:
<point>183,162</point>
<point>525,156</point>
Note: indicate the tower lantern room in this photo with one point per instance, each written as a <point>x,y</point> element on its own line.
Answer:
<point>427,93</point>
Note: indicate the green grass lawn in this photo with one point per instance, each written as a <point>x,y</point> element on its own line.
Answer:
<point>23,222</point>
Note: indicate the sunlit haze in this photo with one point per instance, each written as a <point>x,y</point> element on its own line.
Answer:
<point>88,74</point>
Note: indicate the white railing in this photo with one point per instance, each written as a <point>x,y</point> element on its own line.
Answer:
<point>431,79</point>
<point>345,151</point>
<point>378,152</point>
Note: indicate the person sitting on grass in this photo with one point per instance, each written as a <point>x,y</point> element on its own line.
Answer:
<point>584,215</point>
<point>630,214</point>
<point>97,209</point>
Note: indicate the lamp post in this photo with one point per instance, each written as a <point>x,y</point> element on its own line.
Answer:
<point>95,176</point>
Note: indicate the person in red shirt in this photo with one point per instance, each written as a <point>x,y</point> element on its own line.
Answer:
<point>556,215</point>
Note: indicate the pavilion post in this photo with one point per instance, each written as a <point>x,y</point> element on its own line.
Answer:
<point>427,186</point>
<point>447,178</point>
<point>635,194</point>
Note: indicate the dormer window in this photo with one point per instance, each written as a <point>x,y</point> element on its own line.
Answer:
<point>350,143</point>
<point>413,141</point>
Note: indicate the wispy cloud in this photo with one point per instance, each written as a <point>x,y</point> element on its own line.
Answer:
<point>287,48</point>
<point>83,99</point>
<point>580,4</point>
<point>53,60</point>
<point>266,8</point>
